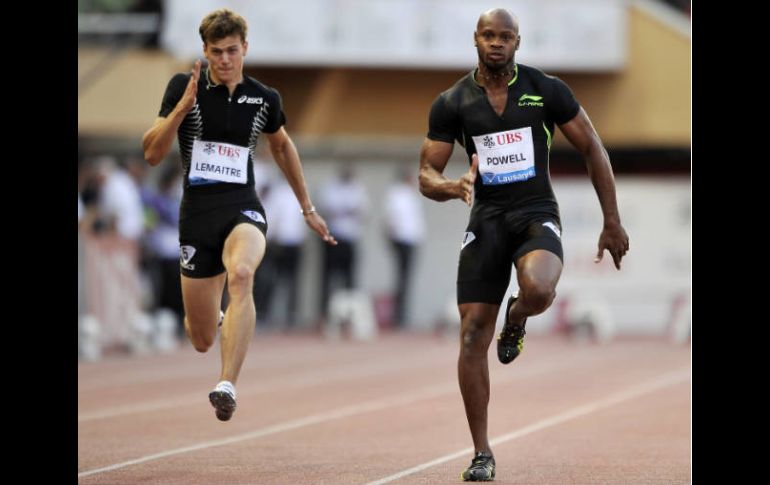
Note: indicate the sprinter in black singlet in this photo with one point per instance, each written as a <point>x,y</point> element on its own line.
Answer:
<point>218,114</point>
<point>504,115</point>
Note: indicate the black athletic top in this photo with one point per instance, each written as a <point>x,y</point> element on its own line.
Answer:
<point>239,119</point>
<point>513,148</point>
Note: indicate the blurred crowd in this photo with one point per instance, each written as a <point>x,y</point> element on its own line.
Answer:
<point>126,208</point>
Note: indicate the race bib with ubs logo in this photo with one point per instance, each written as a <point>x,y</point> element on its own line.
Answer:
<point>505,157</point>
<point>214,162</point>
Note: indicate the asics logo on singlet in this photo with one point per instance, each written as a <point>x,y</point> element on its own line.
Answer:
<point>248,100</point>
<point>530,100</point>
<point>186,253</point>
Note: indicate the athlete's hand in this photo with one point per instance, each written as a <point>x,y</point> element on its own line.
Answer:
<point>318,224</point>
<point>188,98</point>
<point>615,240</point>
<point>465,183</point>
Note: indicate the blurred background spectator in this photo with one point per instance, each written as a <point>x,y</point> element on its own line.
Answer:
<point>161,242</point>
<point>405,229</point>
<point>285,238</point>
<point>344,203</point>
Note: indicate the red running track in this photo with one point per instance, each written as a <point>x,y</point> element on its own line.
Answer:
<point>312,411</point>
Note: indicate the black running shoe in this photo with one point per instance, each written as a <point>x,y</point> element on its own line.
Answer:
<point>482,469</point>
<point>223,400</point>
<point>510,342</point>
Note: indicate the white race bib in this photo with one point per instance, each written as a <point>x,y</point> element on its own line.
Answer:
<point>506,156</point>
<point>218,162</point>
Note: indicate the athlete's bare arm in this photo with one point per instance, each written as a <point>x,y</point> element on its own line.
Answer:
<point>434,156</point>
<point>157,141</point>
<point>582,135</point>
<point>287,158</point>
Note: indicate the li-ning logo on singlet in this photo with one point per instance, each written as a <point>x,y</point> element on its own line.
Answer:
<point>186,253</point>
<point>530,100</point>
<point>248,100</point>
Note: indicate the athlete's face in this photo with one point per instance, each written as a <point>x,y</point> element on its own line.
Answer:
<point>497,40</point>
<point>225,58</point>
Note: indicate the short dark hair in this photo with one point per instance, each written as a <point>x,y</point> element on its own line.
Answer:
<point>222,23</point>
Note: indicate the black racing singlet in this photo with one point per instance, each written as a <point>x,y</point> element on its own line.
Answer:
<point>513,148</point>
<point>236,120</point>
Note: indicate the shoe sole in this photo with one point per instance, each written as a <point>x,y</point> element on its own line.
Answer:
<point>223,403</point>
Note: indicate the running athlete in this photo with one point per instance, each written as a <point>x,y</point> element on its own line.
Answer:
<point>503,114</point>
<point>218,114</point>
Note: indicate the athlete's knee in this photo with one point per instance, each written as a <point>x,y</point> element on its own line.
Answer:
<point>474,336</point>
<point>201,341</point>
<point>202,344</point>
<point>538,296</point>
<point>240,279</point>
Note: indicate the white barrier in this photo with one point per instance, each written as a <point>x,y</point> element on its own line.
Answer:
<point>353,310</point>
<point>113,315</point>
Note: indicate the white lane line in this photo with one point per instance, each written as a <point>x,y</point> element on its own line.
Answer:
<point>254,387</point>
<point>186,364</point>
<point>344,412</point>
<point>340,373</point>
<point>647,387</point>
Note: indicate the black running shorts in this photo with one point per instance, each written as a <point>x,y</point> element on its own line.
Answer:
<point>202,235</point>
<point>493,242</point>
